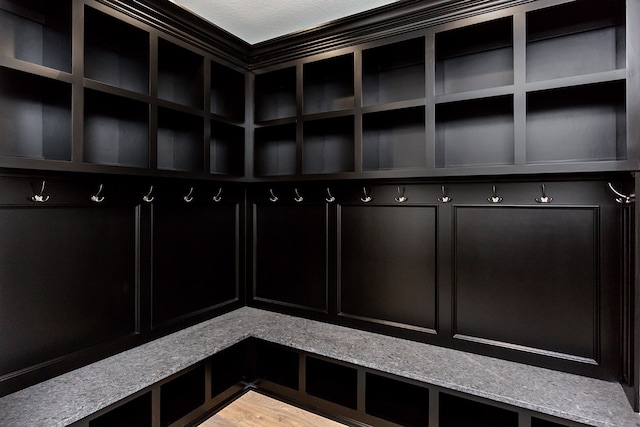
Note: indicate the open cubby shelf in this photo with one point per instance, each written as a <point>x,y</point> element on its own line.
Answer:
<point>275,95</point>
<point>180,75</point>
<point>226,149</point>
<point>394,140</point>
<point>116,130</point>
<point>180,141</point>
<point>182,395</point>
<point>35,116</point>
<point>577,38</point>
<point>396,401</point>
<point>275,150</point>
<point>458,411</point>
<point>577,124</point>
<point>115,53</point>
<point>328,146</point>
<point>475,133</point>
<point>227,92</point>
<point>277,364</point>
<point>135,413</point>
<point>394,72</point>
<point>332,382</point>
<point>37,31</point>
<point>328,85</point>
<point>475,57</point>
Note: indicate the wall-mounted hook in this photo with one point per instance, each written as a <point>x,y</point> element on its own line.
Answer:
<point>218,197</point>
<point>367,198</point>
<point>273,197</point>
<point>401,197</point>
<point>444,198</point>
<point>495,198</point>
<point>329,198</point>
<point>544,198</point>
<point>298,197</point>
<point>97,198</point>
<point>623,198</point>
<point>41,198</point>
<point>189,197</point>
<point>149,197</point>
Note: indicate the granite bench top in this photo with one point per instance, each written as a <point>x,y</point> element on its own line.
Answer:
<point>72,396</point>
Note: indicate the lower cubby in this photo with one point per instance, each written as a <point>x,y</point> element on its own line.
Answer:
<point>135,413</point>
<point>460,412</point>
<point>275,150</point>
<point>396,401</point>
<point>36,116</point>
<point>475,133</point>
<point>182,395</point>
<point>332,382</point>
<point>328,146</point>
<point>394,140</point>
<point>229,368</point>
<point>116,130</point>
<point>537,422</point>
<point>180,141</point>
<point>277,364</point>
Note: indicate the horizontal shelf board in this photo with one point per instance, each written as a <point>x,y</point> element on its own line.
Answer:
<point>182,108</point>
<point>35,69</point>
<point>226,119</point>
<point>475,94</point>
<point>419,102</point>
<point>329,115</point>
<point>276,122</point>
<point>607,76</point>
<point>103,87</point>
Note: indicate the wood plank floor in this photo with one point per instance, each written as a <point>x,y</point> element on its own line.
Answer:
<point>256,410</point>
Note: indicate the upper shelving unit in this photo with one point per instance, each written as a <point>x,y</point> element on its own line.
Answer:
<point>328,85</point>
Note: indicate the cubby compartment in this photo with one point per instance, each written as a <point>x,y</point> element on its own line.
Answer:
<point>37,31</point>
<point>396,401</point>
<point>475,57</point>
<point>576,38</point>
<point>275,95</point>
<point>457,411</point>
<point>332,382</point>
<point>115,53</point>
<point>180,141</point>
<point>226,149</point>
<point>35,116</point>
<point>228,368</point>
<point>180,75</point>
<point>328,146</point>
<point>277,364</point>
<point>537,422</point>
<point>394,72</point>
<point>328,85</point>
<point>182,395</point>
<point>475,133</point>
<point>227,92</point>
<point>275,150</point>
<point>394,139</point>
<point>116,130</point>
<point>135,413</point>
<point>577,124</point>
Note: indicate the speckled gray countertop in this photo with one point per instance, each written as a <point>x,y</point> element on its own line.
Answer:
<point>70,397</point>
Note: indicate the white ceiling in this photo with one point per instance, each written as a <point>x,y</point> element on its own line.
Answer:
<point>255,21</point>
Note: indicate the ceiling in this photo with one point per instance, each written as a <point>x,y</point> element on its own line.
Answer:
<point>256,21</point>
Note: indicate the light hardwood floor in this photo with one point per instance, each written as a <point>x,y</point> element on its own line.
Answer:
<point>256,410</point>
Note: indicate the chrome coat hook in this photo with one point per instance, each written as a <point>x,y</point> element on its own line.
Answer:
<point>148,197</point>
<point>401,197</point>
<point>623,198</point>
<point>367,198</point>
<point>495,198</point>
<point>329,198</point>
<point>41,198</point>
<point>218,197</point>
<point>298,197</point>
<point>189,197</point>
<point>97,198</point>
<point>444,198</point>
<point>544,198</point>
<point>273,197</point>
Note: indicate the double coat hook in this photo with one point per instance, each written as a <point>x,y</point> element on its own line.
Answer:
<point>444,198</point>
<point>544,198</point>
<point>218,197</point>
<point>41,198</point>
<point>97,198</point>
<point>495,198</point>
<point>148,198</point>
<point>189,197</point>
<point>367,198</point>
